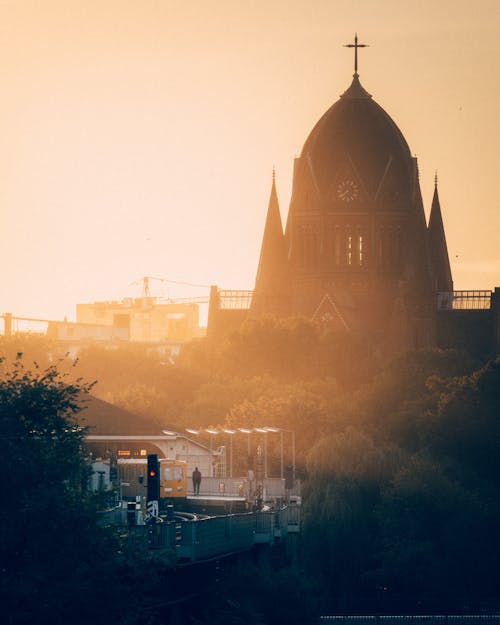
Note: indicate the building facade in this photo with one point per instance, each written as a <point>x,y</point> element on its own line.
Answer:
<point>357,254</point>
<point>143,319</point>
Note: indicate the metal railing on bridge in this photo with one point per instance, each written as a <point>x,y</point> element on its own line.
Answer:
<point>455,619</point>
<point>205,538</point>
<point>272,488</point>
<point>463,300</point>
<point>202,538</point>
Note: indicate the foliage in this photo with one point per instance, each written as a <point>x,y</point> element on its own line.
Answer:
<point>402,472</point>
<point>58,565</point>
<point>34,348</point>
<point>401,511</point>
<point>258,594</point>
<point>139,380</point>
<point>435,535</point>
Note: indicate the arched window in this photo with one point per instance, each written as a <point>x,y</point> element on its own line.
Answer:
<point>349,248</point>
<point>308,250</point>
<point>388,248</point>
<point>337,246</point>
<point>360,249</point>
<point>397,246</point>
<point>380,248</point>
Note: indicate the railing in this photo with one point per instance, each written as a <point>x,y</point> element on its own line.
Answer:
<point>273,488</point>
<point>463,300</point>
<point>235,300</point>
<point>205,538</point>
<point>479,619</point>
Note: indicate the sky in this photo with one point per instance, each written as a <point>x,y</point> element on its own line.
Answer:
<point>139,138</point>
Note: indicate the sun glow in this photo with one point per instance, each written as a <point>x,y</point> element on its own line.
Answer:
<point>139,139</point>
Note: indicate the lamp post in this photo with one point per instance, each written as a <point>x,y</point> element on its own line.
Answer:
<point>273,429</point>
<point>264,431</point>
<point>213,432</point>
<point>231,433</point>
<point>247,432</point>
<point>195,433</point>
<point>281,430</point>
<point>293,450</point>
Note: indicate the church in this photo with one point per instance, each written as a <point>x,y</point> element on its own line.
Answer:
<point>357,254</point>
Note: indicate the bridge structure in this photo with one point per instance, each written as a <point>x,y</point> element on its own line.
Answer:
<point>190,538</point>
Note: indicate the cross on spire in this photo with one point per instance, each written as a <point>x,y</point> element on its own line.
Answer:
<point>356,45</point>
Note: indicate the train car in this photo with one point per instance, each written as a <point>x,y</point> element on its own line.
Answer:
<point>173,479</point>
<point>132,478</point>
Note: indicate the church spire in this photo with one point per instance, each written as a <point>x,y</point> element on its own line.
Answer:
<point>356,45</point>
<point>356,91</point>
<point>437,243</point>
<point>272,263</point>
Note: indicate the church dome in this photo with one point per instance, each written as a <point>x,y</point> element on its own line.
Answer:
<point>357,138</point>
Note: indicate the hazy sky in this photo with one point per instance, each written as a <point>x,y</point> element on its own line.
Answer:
<point>138,137</point>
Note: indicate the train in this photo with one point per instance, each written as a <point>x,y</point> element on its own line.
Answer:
<point>173,479</point>
<point>132,477</point>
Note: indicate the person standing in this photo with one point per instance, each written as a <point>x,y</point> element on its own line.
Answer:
<point>196,481</point>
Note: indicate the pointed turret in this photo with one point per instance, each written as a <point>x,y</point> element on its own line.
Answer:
<point>443,280</point>
<point>271,273</point>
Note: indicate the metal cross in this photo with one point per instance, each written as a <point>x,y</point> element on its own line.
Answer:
<point>356,45</point>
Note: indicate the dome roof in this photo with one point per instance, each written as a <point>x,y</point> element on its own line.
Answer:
<point>357,134</point>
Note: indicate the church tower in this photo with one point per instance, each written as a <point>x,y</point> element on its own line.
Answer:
<point>356,254</point>
<point>437,245</point>
<point>270,293</point>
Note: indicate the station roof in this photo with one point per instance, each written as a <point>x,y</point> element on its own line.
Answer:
<point>101,417</point>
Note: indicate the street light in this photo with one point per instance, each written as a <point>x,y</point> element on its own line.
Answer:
<point>248,432</point>
<point>264,431</point>
<point>231,433</point>
<point>169,433</point>
<point>213,432</point>
<point>281,430</point>
<point>276,430</point>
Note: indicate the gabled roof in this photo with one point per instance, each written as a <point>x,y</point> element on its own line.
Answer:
<point>104,418</point>
<point>329,314</point>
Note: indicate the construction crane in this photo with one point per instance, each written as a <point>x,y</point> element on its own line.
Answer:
<point>145,284</point>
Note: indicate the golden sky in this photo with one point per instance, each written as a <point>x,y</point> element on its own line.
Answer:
<point>138,137</point>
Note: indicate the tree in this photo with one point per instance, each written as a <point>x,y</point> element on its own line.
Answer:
<point>437,542</point>
<point>345,476</point>
<point>139,380</point>
<point>52,552</point>
<point>465,426</point>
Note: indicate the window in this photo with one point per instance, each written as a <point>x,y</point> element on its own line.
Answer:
<point>397,246</point>
<point>360,250</point>
<point>349,250</point>
<point>337,246</point>
<point>308,250</point>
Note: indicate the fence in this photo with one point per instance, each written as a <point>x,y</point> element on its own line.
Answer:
<point>273,488</point>
<point>205,538</point>
<point>480,619</point>
<point>464,300</point>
